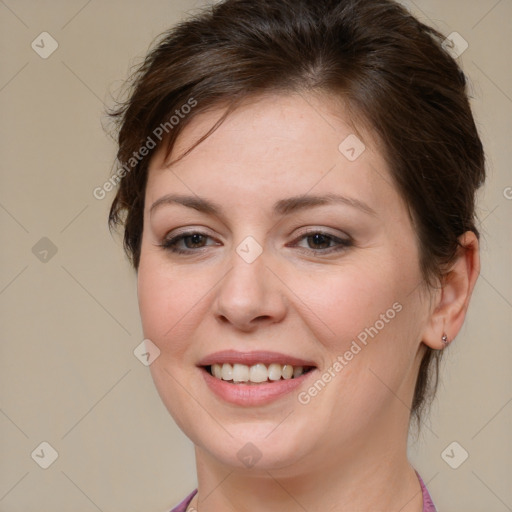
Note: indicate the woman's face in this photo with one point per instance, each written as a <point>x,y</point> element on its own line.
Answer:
<point>281,242</point>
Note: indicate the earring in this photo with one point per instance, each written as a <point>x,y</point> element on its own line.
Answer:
<point>444,339</point>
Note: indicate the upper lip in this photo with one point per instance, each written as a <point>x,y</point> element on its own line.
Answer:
<point>251,358</point>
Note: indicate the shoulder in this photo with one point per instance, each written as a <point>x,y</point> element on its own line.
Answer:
<point>182,507</point>
<point>428,505</point>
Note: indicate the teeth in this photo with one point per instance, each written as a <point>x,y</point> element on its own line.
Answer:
<point>274,371</point>
<point>287,371</point>
<point>256,373</point>
<point>240,373</point>
<point>227,372</point>
<point>217,371</point>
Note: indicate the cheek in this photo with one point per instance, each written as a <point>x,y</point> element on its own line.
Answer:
<point>166,304</point>
<point>367,316</point>
<point>349,300</point>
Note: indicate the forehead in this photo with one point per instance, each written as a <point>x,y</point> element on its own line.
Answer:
<point>273,143</point>
<point>275,117</point>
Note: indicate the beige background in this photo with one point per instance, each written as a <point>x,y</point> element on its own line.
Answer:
<point>69,325</point>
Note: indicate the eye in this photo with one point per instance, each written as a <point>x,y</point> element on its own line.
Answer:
<point>318,242</point>
<point>186,243</point>
<point>321,242</point>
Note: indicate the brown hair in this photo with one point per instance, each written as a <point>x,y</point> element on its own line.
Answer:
<point>390,69</point>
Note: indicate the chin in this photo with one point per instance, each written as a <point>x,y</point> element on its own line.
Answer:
<point>256,446</point>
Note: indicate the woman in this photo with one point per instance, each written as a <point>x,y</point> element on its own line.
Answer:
<point>297,187</point>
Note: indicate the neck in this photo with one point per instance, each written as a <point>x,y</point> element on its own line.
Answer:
<point>373,475</point>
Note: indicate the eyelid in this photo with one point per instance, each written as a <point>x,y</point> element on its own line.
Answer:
<point>170,241</point>
<point>343,237</point>
<point>341,242</point>
<point>323,231</point>
<point>188,230</point>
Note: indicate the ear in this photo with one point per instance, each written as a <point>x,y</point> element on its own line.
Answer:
<point>452,301</point>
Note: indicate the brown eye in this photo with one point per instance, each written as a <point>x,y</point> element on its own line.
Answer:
<point>196,240</point>
<point>186,243</point>
<point>319,242</point>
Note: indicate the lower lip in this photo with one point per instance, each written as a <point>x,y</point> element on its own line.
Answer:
<point>253,394</point>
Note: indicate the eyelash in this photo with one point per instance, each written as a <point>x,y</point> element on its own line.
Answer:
<point>171,244</point>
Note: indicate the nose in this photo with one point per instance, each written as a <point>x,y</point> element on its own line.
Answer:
<point>250,295</point>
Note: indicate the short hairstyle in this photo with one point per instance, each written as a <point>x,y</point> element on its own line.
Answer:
<point>390,70</point>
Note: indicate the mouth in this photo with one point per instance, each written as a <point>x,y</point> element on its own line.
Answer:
<point>254,378</point>
<point>259,373</point>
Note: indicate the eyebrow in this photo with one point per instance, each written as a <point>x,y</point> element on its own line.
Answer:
<point>281,207</point>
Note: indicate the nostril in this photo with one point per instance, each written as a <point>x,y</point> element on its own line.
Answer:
<point>261,318</point>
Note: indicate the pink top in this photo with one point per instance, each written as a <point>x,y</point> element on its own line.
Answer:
<point>428,506</point>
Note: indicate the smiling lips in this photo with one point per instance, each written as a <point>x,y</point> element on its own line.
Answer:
<point>257,373</point>
<point>250,379</point>
<point>254,367</point>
